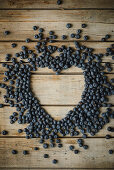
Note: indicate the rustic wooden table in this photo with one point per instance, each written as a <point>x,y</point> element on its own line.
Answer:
<point>57,93</point>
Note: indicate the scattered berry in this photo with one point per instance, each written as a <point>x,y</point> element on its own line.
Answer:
<point>46,156</point>
<point>68,25</point>
<point>7,32</point>
<point>13,45</point>
<point>59,2</point>
<point>55,161</point>
<point>25,152</point>
<point>14,151</point>
<point>110,151</point>
<point>4,132</point>
<point>84,25</point>
<point>76,151</point>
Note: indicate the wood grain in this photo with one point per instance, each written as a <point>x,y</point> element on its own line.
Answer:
<point>22,30</point>
<point>72,70</point>
<point>51,4</point>
<point>87,16</point>
<point>58,94</point>
<point>100,47</point>
<point>94,157</point>
<point>57,89</point>
<point>49,169</point>
<point>57,112</point>
<point>45,71</point>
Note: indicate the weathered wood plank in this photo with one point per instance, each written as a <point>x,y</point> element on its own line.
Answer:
<point>95,157</point>
<point>88,16</point>
<point>57,89</point>
<point>100,47</point>
<point>57,112</point>
<point>53,89</point>
<point>23,30</point>
<point>49,169</point>
<point>73,70</point>
<point>37,4</point>
<point>52,169</point>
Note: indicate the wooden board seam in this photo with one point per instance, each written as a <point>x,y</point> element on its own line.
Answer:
<point>60,8</point>
<point>31,168</point>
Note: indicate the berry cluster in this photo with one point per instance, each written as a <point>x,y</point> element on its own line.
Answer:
<point>86,116</point>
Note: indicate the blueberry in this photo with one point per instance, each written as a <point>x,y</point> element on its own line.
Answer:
<point>107,136</point>
<point>107,36</point>
<point>77,36</point>
<point>59,2</point>
<point>4,132</point>
<point>14,151</point>
<point>68,25</point>
<point>54,36</point>
<point>84,25</point>
<point>71,147</point>
<point>80,141</point>
<point>76,151</point>
<point>103,39</point>
<point>58,140</point>
<point>51,33</point>
<point>36,148</point>
<point>28,40</point>
<point>1,105</point>
<point>36,36</point>
<point>46,156</point>
<point>41,141</point>
<point>7,57</point>
<point>60,145</point>
<point>25,152</point>
<point>79,31</point>
<point>54,161</point>
<point>72,35</point>
<point>15,114</point>
<point>6,32</point>
<point>109,128</point>
<point>17,54</point>
<point>85,146</point>
<point>11,117</point>
<point>41,30</point>
<point>64,37</point>
<point>35,27</point>
<point>11,82</point>
<point>80,144</point>
<point>13,45</point>
<point>20,130</point>
<point>24,48</point>
<point>84,136</point>
<point>45,145</point>
<point>86,37</point>
<point>110,151</point>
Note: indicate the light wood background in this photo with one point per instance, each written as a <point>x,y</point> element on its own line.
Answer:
<point>58,94</point>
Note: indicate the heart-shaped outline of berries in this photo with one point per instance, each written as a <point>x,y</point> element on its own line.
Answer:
<point>85,116</point>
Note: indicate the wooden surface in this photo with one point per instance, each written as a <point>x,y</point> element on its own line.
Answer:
<point>24,30</point>
<point>57,112</point>
<point>94,157</point>
<point>51,4</point>
<point>100,47</point>
<point>58,94</point>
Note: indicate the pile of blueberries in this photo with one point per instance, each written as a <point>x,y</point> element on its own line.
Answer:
<point>85,117</point>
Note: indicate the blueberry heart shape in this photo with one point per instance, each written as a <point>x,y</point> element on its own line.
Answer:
<point>85,116</point>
